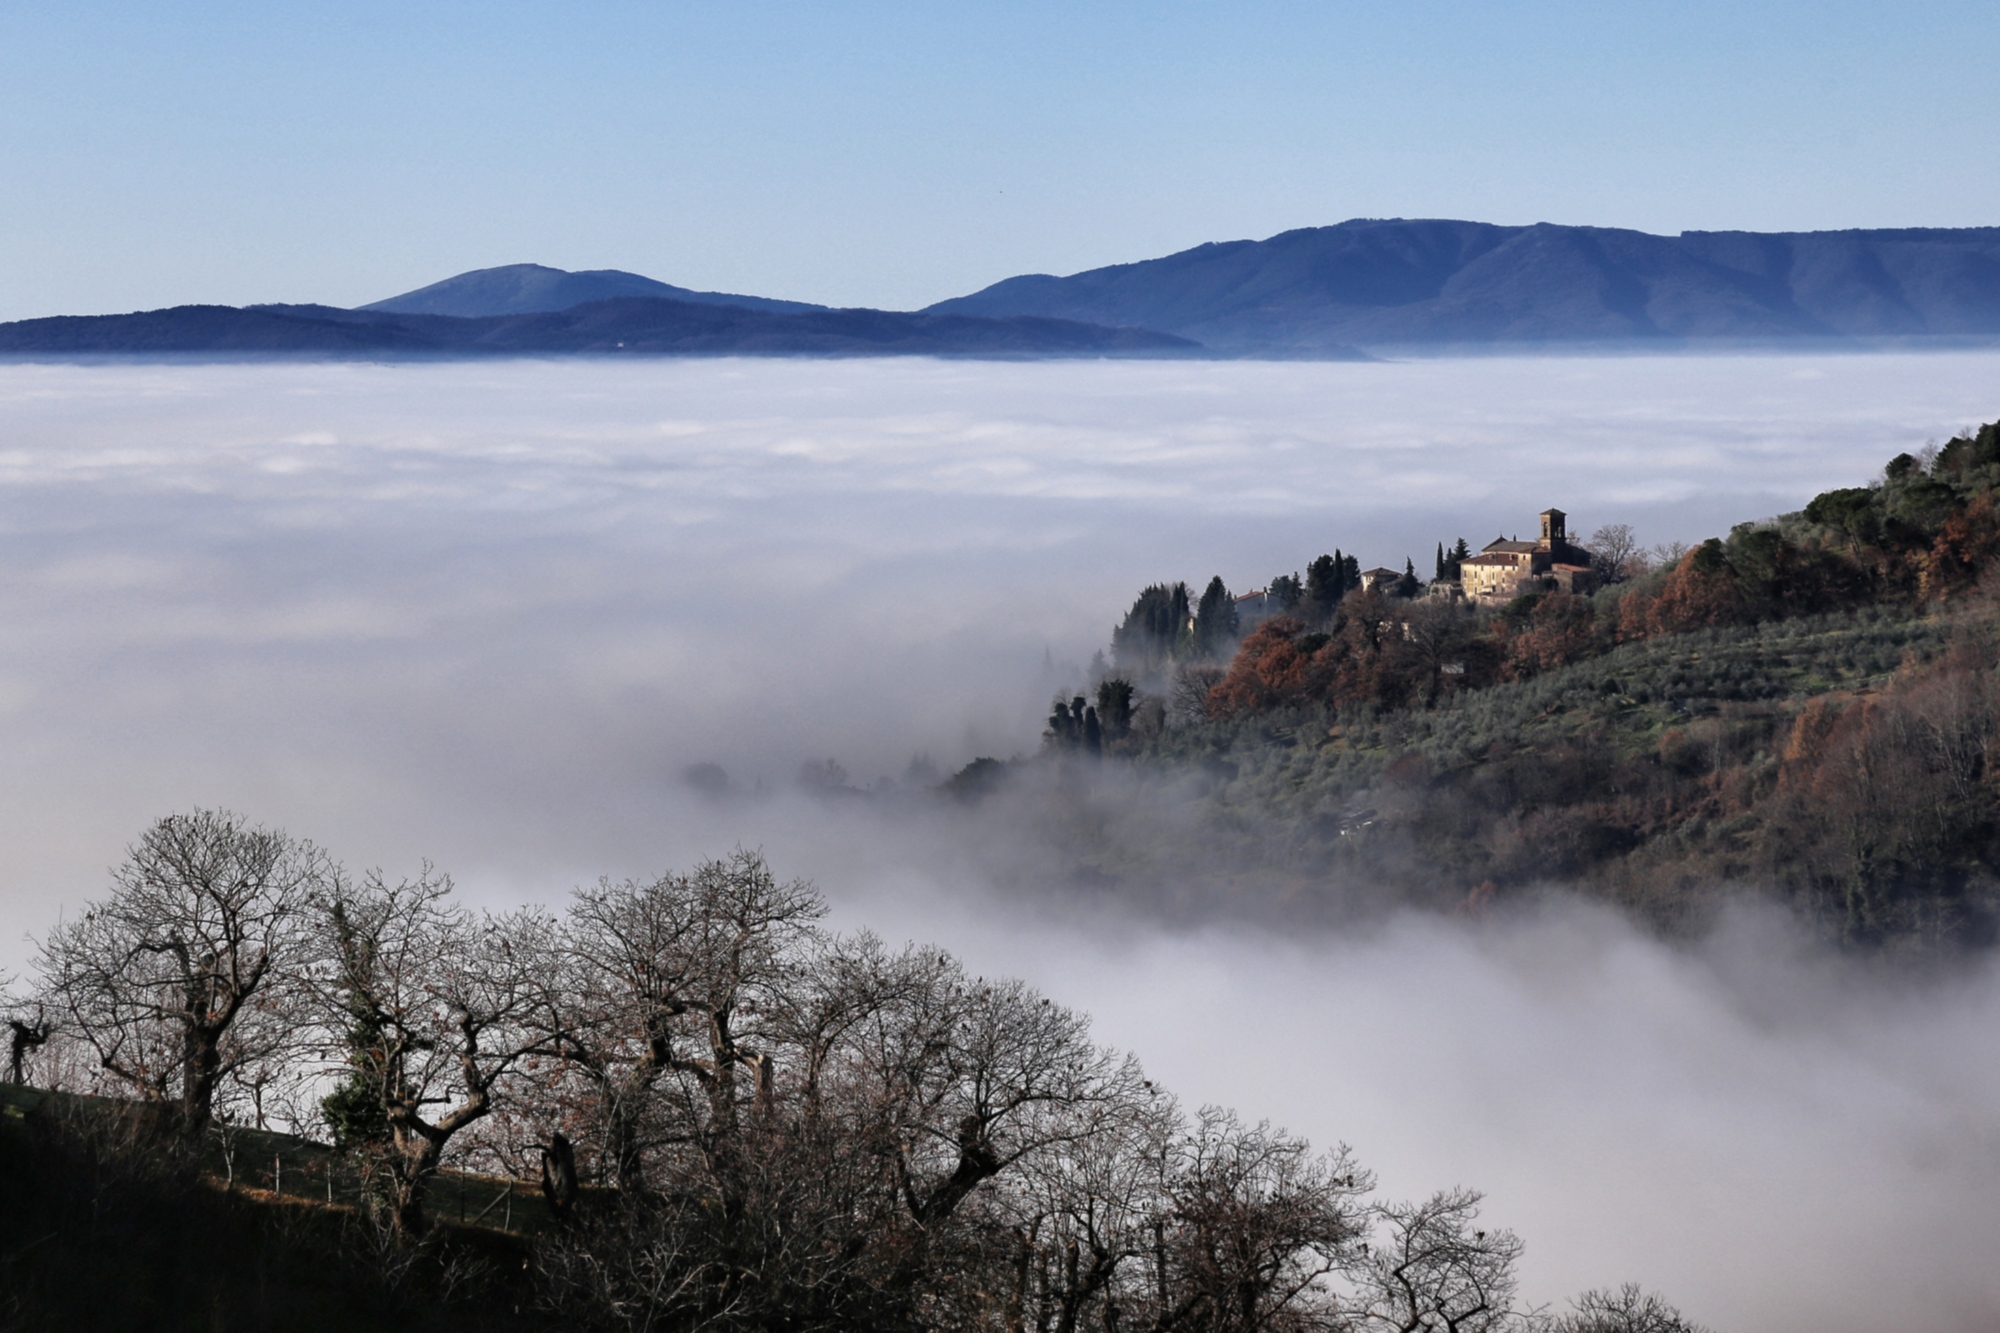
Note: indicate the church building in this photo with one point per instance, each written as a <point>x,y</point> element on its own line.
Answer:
<point>1507,569</point>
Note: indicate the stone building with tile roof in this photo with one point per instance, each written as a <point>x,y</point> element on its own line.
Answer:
<point>1506,568</point>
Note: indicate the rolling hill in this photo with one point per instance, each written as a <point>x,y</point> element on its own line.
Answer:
<point>1397,282</point>
<point>629,326</point>
<point>520,289</point>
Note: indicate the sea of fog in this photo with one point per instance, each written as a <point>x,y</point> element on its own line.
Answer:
<point>489,614</point>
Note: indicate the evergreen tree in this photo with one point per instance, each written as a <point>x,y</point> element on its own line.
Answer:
<point>1439,575</point>
<point>1455,559</point>
<point>1288,591</point>
<point>1156,629</point>
<point>1326,583</point>
<point>1215,620</point>
<point>1408,585</point>
<point>1114,706</point>
<point>1183,622</point>
<point>1065,724</point>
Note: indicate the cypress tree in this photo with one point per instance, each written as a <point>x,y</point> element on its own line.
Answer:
<point>1154,630</point>
<point>1214,620</point>
<point>1325,582</point>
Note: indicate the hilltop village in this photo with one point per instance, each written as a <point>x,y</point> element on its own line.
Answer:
<point>1505,569</point>
<point>1343,634</point>
<point>1664,728</point>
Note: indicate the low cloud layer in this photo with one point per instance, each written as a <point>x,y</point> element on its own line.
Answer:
<point>489,614</point>
<point>1778,1140</point>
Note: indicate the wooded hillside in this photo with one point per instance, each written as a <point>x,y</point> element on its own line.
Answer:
<point>1805,708</point>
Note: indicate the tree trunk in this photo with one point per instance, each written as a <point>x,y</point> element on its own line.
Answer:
<point>621,1133</point>
<point>1017,1306</point>
<point>201,1070</point>
<point>411,1169</point>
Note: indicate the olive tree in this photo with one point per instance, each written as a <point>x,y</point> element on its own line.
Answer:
<point>176,980</point>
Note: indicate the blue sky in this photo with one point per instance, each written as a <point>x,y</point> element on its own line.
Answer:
<point>895,154</point>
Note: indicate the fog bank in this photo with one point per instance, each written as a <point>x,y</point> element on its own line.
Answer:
<point>1779,1140</point>
<point>489,614</point>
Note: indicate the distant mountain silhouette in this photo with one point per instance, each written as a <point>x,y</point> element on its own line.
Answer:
<point>1317,292</point>
<point>1387,282</point>
<point>628,326</point>
<point>520,289</point>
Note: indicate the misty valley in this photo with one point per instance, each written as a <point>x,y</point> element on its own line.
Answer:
<point>721,845</point>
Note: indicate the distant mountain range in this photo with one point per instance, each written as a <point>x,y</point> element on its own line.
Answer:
<point>1376,283</point>
<point>1318,292</point>
<point>628,326</point>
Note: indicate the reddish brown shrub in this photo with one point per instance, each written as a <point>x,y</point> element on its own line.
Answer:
<point>1268,670</point>
<point>1699,594</point>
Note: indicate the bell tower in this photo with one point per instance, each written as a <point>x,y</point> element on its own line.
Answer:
<point>1553,533</point>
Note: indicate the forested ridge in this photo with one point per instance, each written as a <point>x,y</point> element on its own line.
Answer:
<point>1805,708</point>
<point>733,1118</point>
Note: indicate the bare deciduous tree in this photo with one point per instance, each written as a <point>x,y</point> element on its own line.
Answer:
<point>1259,1226</point>
<point>171,981</point>
<point>1085,1215</point>
<point>1438,1271</point>
<point>1437,633</point>
<point>1188,691</point>
<point>434,1007</point>
<point>668,991</point>
<point>1613,548</point>
<point>807,1131</point>
<point>1666,553</point>
<point>1626,1310</point>
<point>971,1076</point>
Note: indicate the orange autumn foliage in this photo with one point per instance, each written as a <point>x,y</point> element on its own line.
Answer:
<point>1268,670</point>
<point>1701,593</point>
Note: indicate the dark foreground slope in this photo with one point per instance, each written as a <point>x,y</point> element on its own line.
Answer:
<point>106,1228</point>
<point>1387,282</point>
<point>628,326</point>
